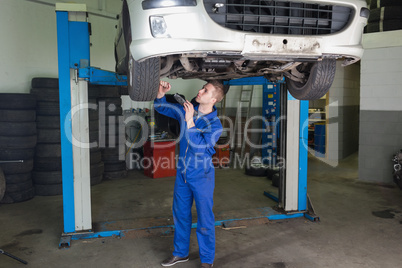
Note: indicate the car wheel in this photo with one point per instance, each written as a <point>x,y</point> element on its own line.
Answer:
<point>320,77</point>
<point>143,79</point>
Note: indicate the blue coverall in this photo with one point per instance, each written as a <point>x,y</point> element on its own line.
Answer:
<point>195,179</point>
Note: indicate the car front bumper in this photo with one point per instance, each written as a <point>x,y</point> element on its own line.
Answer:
<point>191,31</point>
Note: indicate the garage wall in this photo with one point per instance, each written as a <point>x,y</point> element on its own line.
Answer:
<point>381,105</point>
<point>343,112</point>
<point>28,46</point>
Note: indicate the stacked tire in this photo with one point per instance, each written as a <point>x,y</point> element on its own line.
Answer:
<point>47,175</point>
<point>111,130</point>
<point>17,147</point>
<point>385,15</point>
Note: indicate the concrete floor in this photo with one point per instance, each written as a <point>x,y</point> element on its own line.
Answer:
<point>360,224</point>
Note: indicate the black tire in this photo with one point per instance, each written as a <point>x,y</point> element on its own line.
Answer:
<point>111,175</point>
<point>257,170</point>
<point>320,78</point>
<point>93,115</point>
<point>49,189</point>
<point>96,157</point>
<point>383,3</point>
<point>143,79</point>
<point>48,150</point>
<point>271,172</point>
<point>96,180</point>
<point>19,187</point>
<point>47,163</point>
<point>18,178</point>
<point>112,155</point>
<point>44,82</point>
<point>385,13</point>
<point>17,115</point>
<point>46,94</point>
<point>17,142</point>
<point>48,136</point>
<point>2,184</point>
<point>93,125</point>
<point>52,122</point>
<point>383,26</point>
<point>47,177</point>
<point>93,136</point>
<point>16,197</point>
<point>15,101</point>
<point>275,180</point>
<point>48,108</point>
<point>19,129</point>
<point>18,167</point>
<point>17,154</point>
<point>116,166</point>
<point>97,169</point>
<point>98,91</point>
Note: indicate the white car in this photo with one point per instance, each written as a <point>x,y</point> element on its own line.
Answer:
<point>227,39</point>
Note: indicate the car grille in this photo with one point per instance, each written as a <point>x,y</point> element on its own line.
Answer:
<point>279,17</point>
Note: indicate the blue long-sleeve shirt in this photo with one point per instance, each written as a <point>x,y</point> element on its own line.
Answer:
<point>196,143</point>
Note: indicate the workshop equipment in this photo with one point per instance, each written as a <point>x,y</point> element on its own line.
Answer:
<point>159,159</point>
<point>221,158</point>
<point>12,256</point>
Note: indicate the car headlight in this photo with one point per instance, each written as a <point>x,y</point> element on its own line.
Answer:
<point>158,26</point>
<point>148,4</point>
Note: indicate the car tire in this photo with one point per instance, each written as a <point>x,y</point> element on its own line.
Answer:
<point>321,76</point>
<point>17,101</point>
<point>47,177</point>
<point>51,121</point>
<point>17,154</point>
<point>17,115</point>
<point>385,13</point>
<point>112,175</point>
<point>47,163</point>
<point>384,3</point>
<point>257,170</point>
<point>143,79</point>
<point>17,167</point>
<point>383,26</point>
<point>48,189</point>
<point>24,142</point>
<point>44,82</point>
<point>15,197</point>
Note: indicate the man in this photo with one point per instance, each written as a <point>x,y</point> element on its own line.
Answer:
<point>195,177</point>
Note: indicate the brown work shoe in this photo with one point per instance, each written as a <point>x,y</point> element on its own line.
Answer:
<point>207,265</point>
<point>173,260</point>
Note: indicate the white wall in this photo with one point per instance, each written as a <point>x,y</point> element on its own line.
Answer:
<point>343,112</point>
<point>381,105</point>
<point>28,46</point>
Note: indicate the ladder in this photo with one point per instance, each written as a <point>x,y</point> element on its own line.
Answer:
<point>243,110</point>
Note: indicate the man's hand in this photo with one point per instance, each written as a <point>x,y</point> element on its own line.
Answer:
<point>189,109</point>
<point>163,88</point>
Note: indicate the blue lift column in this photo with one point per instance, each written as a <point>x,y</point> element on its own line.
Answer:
<point>75,72</point>
<point>293,198</point>
<point>73,53</point>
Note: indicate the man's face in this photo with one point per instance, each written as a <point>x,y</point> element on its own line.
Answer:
<point>206,95</point>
